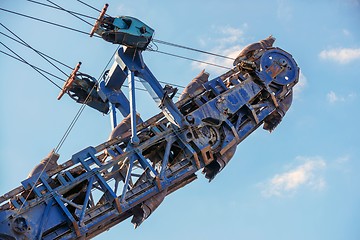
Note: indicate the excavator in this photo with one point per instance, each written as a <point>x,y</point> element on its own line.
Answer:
<point>143,161</point>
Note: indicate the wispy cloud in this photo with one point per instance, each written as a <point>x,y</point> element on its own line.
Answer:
<point>346,32</point>
<point>124,10</point>
<point>343,164</point>
<point>343,159</point>
<point>284,10</point>
<point>332,97</point>
<point>341,55</point>
<point>228,42</point>
<point>308,173</point>
<point>300,86</point>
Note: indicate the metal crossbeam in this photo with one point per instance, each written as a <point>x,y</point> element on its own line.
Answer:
<point>104,185</point>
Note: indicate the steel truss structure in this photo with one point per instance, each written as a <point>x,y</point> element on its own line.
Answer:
<point>131,174</point>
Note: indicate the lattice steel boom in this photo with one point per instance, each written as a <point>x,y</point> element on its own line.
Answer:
<point>143,161</point>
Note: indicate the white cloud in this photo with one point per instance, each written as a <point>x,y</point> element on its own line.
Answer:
<point>228,42</point>
<point>300,86</point>
<point>332,97</point>
<point>346,32</point>
<point>306,174</point>
<point>341,55</point>
<point>124,10</point>
<point>342,165</point>
<point>231,52</point>
<point>342,159</point>
<point>231,35</point>
<point>284,10</point>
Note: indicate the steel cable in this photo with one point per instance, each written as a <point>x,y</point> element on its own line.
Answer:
<point>40,69</point>
<point>191,59</point>
<point>48,22</point>
<point>191,49</point>
<point>88,5</point>
<point>73,14</point>
<point>57,61</point>
<point>75,119</point>
<point>170,54</point>
<point>60,8</point>
<point>27,45</point>
<point>23,60</point>
<point>64,137</point>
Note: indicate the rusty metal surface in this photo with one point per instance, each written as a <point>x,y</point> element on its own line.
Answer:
<point>134,180</point>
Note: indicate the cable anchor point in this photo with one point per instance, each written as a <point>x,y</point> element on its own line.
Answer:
<point>69,81</point>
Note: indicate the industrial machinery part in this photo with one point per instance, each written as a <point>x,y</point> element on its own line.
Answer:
<point>144,161</point>
<point>83,89</point>
<point>124,30</point>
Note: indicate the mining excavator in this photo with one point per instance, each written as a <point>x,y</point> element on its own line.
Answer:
<point>143,161</point>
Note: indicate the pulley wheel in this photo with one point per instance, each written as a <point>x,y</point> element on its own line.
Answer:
<point>277,56</point>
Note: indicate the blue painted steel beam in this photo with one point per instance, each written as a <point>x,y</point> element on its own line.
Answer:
<point>133,60</point>
<point>166,159</point>
<point>131,79</point>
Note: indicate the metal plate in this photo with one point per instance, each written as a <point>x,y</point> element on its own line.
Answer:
<point>281,58</point>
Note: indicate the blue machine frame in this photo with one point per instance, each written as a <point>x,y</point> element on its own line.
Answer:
<point>131,174</point>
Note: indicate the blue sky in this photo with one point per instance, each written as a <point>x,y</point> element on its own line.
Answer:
<point>299,182</point>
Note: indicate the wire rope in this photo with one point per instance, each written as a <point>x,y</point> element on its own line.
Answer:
<point>158,41</point>
<point>30,65</point>
<point>73,14</point>
<point>57,61</point>
<point>191,59</point>
<point>59,8</point>
<point>45,21</point>
<point>88,5</point>
<point>40,69</point>
<point>78,114</point>
<point>172,44</point>
<point>66,134</point>
<point>26,44</point>
<point>191,49</point>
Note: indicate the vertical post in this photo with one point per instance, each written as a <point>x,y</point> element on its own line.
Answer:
<point>132,58</point>
<point>165,161</point>
<point>131,80</point>
<point>113,116</point>
<point>127,178</point>
<point>87,195</point>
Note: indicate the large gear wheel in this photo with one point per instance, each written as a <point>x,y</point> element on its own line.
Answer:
<point>289,74</point>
